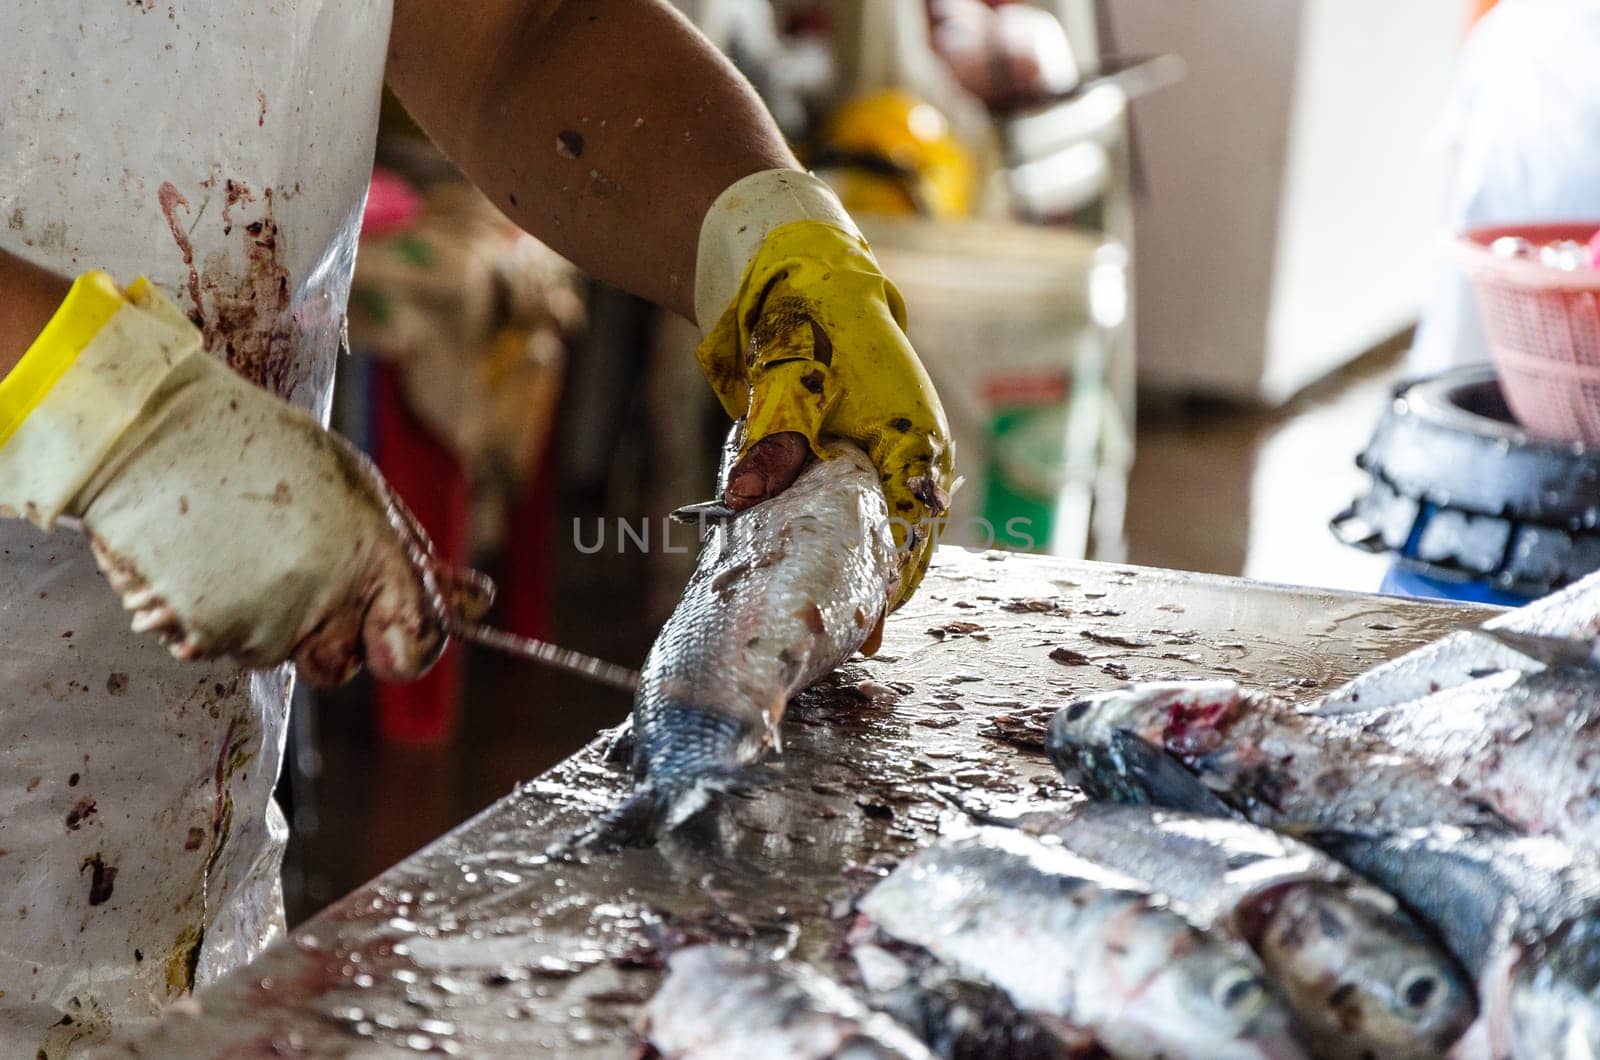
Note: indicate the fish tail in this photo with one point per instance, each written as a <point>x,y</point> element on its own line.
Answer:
<point>653,810</point>
<point>638,822</point>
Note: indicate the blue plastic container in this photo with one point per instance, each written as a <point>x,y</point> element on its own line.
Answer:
<point>1398,581</point>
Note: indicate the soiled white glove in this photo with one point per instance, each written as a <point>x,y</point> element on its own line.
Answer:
<point>231,523</point>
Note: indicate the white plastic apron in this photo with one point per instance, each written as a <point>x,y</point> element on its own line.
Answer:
<point>221,147</point>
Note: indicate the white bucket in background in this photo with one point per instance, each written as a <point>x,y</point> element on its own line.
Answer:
<point>1015,324</point>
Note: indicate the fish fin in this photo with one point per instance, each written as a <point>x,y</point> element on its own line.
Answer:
<point>704,513</point>
<point>874,640</point>
<point>620,745</point>
<point>653,810</point>
<point>1160,779</point>
<point>638,822</point>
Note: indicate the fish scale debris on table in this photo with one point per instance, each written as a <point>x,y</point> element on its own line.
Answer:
<point>1362,977</point>
<point>782,594</point>
<point>1073,941</point>
<point>719,1003</point>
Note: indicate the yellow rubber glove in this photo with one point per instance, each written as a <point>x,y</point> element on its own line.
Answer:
<point>812,341</point>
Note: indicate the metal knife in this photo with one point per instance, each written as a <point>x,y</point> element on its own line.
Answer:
<point>546,654</point>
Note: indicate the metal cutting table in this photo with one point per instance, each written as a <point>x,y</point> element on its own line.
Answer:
<point>481,945</point>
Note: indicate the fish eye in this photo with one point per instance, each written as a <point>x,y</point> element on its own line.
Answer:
<point>1419,988</point>
<point>1238,991</point>
<point>1078,710</point>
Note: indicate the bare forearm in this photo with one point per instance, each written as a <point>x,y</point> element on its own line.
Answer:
<point>29,296</point>
<point>604,127</point>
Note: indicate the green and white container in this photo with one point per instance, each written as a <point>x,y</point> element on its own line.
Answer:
<point>1017,325</point>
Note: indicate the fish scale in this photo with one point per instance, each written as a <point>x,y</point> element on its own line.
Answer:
<point>1317,927</point>
<point>1074,941</point>
<point>1526,743</point>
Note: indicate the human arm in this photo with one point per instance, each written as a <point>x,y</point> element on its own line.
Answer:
<point>613,132</point>
<point>606,128</point>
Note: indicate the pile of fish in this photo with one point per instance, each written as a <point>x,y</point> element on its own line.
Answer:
<point>1407,868</point>
<point>1463,779</point>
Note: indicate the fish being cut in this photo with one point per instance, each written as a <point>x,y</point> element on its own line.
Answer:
<point>1522,913</point>
<point>1362,978</point>
<point>783,593</point>
<point>1074,941</point>
<point>718,1003</point>
<point>1279,767</point>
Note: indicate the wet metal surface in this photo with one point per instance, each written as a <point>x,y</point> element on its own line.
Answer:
<point>481,946</point>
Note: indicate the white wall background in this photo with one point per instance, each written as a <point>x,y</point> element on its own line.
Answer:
<point>1294,195</point>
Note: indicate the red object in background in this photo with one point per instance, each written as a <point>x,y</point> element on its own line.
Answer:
<point>431,482</point>
<point>428,478</point>
<point>434,486</point>
<point>526,584</point>
<point>392,204</point>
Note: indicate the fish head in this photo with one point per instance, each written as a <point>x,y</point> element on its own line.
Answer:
<point>1209,999</point>
<point>1091,739</point>
<point>1358,971</point>
<point>1555,993</point>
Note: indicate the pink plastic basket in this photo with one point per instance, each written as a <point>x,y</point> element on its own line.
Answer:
<point>1544,329</point>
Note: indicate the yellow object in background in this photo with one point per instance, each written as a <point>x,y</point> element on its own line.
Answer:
<point>891,153</point>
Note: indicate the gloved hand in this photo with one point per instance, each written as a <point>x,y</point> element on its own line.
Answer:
<point>231,523</point>
<point>806,339</point>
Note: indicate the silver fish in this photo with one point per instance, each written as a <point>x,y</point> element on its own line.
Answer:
<point>1528,744</point>
<point>1522,913</point>
<point>718,1003</point>
<point>1260,756</point>
<point>783,593</point>
<point>1361,976</point>
<point>958,1018</point>
<point>1573,613</point>
<point>1073,941</point>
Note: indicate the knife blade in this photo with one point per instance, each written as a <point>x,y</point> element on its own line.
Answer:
<point>546,654</point>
